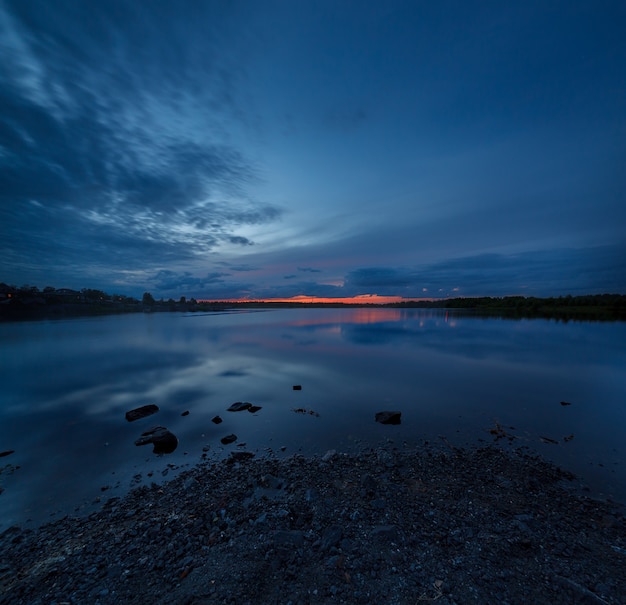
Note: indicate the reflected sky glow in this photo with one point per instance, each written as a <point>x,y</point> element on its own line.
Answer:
<point>68,384</point>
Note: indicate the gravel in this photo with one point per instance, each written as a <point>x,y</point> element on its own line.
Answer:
<point>390,525</point>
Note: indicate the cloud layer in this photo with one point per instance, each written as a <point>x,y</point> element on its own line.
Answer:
<point>222,150</point>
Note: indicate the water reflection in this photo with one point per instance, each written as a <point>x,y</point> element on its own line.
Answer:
<point>68,385</point>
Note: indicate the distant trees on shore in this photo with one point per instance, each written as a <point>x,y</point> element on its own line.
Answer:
<point>29,301</point>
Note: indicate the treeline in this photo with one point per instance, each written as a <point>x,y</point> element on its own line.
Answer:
<point>29,302</point>
<point>591,306</point>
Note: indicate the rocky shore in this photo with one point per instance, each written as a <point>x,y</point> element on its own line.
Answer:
<point>391,525</point>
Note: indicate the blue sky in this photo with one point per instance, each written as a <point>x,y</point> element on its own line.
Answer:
<point>279,148</point>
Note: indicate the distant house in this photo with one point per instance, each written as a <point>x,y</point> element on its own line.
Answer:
<point>6,293</point>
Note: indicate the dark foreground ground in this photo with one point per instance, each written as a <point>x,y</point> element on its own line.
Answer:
<point>383,526</point>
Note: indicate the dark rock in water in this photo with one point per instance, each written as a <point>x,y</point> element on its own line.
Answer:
<point>548,440</point>
<point>6,453</point>
<point>239,457</point>
<point>254,408</point>
<point>185,413</point>
<point>164,441</point>
<point>142,412</point>
<point>565,403</point>
<point>239,406</point>
<point>388,417</point>
<point>216,420</point>
<point>297,387</point>
<point>228,439</point>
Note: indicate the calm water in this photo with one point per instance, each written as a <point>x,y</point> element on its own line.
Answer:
<point>66,385</point>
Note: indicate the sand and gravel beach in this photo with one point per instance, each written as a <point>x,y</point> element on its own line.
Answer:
<point>387,525</point>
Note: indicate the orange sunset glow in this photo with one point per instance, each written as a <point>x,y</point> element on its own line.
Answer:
<point>363,299</point>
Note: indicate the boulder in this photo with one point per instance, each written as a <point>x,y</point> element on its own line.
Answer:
<point>142,412</point>
<point>388,417</point>
<point>164,441</point>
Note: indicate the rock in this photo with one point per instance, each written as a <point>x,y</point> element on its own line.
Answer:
<point>297,387</point>
<point>239,456</point>
<point>239,406</point>
<point>228,439</point>
<point>368,484</point>
<point>388,417</point>
<point>6,453</point>
<point>254,408</point>
<point>329,455</point>
<point>185,413</point>
<point>216,420</point>
<point>384,532</point>
<point>565,403</point>
<point>331,537</point>
<point>288,538</point>
<point>164,441</point>
<point>141,412</point>
<point>548,440</point>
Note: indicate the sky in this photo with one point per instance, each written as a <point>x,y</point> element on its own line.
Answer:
<point>263,148</point>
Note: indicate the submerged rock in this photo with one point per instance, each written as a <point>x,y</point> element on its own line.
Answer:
<point>164,441</point>
<point>239,406</point>
<point>228,439</point>
<point>141,412</point>
<point>254,408</point>
<point>216,420</point>
<point>388,417</point>
<point>6,453</point>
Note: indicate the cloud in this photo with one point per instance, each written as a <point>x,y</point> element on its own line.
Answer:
<point>241,268</point>
<point>171,281</point>
<point>125,163</point>
<point>533,273</point>
<point>239,240</point>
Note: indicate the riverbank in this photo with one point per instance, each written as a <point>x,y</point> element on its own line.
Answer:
<point>386,525</point>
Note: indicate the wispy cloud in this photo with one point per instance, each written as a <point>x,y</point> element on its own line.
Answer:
<point>120,161</point>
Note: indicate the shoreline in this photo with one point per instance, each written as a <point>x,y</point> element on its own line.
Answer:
<point>396,525</point>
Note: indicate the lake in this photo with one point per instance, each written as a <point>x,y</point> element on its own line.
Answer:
<point>66,386</point>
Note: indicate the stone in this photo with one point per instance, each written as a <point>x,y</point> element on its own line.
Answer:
<point>216,420</point>
<point>329,455</point>
<point>254,408</point>
<point>6,453</point>
<point>388,417</point>
<point>297,387</point>
<point>164,441</point>
<point>331,537</point>
<point>239,406</point>
<point>385,532</point>
<point>141,412</point>
<point>228,439</point>
<point>185,413</point>
<point>288,538</point>
<point>238,456</point>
